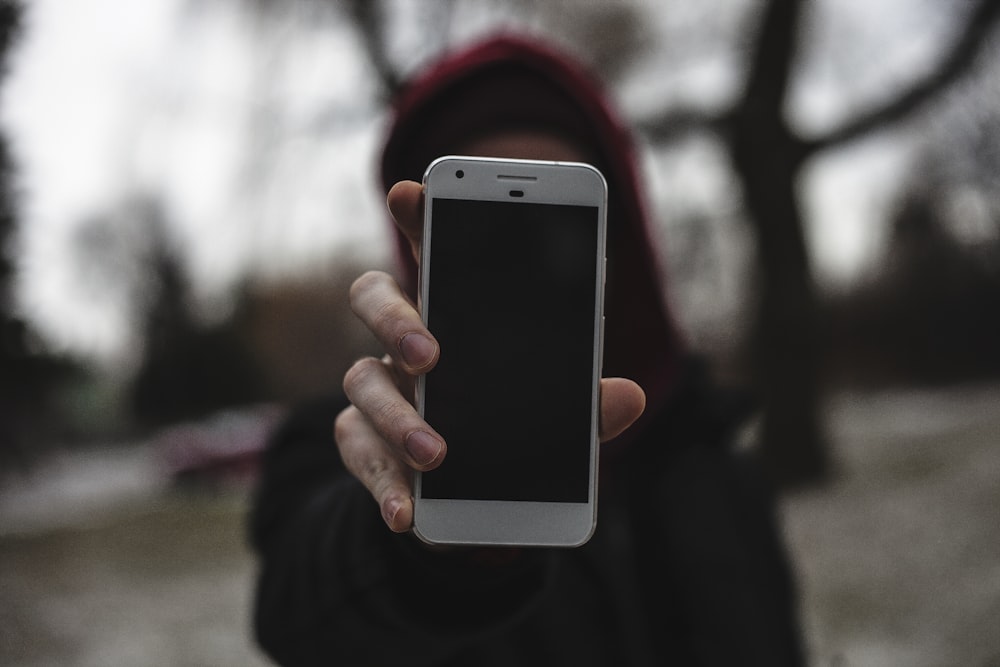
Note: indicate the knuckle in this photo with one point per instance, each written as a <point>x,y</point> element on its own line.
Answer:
<point>364,283</point>
<point>376,299</point>
<point>374,471</point>
<point>360,372</point>
<point>391,316</point>
<point>345,423</point>
<point>391,419</point>
<point>376,400</point>
<point>387,479</point>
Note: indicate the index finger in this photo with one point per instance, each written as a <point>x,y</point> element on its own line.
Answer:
<point>405,201</point>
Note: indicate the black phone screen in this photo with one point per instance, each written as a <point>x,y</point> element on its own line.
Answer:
<point>511,300</point>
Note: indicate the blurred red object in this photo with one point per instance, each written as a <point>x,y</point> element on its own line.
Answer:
<point>224,448</point>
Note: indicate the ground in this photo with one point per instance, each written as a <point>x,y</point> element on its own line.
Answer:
<point>103,563</point>
<point>899,558</point>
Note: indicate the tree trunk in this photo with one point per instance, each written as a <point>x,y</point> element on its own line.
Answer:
<point>785,336</point>
<point>768,158</point>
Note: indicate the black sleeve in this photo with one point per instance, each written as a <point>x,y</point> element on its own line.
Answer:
<point>718,544</point>
<point>337,587</point>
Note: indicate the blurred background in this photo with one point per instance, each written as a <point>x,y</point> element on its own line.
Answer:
<point>188,188</point>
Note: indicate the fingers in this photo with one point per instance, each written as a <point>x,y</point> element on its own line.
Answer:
<point>405,202</point>
<point>622,402</point>
<point>382,439</point>
<point>383,474</point>
<point>372,390</point>
<point>379,302</point>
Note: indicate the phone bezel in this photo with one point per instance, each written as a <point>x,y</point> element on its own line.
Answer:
<point>504,522</point>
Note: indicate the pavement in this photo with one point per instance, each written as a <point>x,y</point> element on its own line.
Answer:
<point>105,562</point>
<point>898,559</point>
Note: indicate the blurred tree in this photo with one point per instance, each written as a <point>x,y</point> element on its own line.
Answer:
<point>27,377</point>
<point>189,369</point>
<point>931,314</point>
<point>769,156</point>
<point>12,345</point>
<point>371,25</point>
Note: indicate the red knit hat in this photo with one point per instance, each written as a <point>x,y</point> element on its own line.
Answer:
<point>510,82</point>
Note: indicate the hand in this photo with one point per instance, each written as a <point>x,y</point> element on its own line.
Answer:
<point>381,438</point>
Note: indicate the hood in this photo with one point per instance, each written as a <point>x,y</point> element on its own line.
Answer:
<point>510,81</point>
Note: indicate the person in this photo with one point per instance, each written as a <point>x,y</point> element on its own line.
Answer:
<point>685,566</point>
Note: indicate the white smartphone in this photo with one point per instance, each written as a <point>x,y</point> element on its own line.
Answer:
<point>512,287</point>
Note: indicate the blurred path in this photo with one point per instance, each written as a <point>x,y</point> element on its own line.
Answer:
<point>168,583</point>
<point>105,560</point>
<point>899,558</point>
<point>104,563</point>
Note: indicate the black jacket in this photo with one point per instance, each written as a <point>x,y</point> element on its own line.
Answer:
<point>685,568</point>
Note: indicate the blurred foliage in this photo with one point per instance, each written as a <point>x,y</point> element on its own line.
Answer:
<point>931,315</point>
<point>29,377</point>
<point>189,370</point>
<point>285,341</point>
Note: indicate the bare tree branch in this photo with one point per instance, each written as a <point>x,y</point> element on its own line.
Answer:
<point>367,18</point>
<point>981,21</point>
<point>772,60</point>
<point>767,80</point>
<point>675,124</point>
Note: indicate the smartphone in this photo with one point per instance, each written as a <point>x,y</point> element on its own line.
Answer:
<point>512,287</point>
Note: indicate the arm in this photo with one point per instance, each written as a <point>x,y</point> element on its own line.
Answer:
<point>335,582</point>
<point>335,585</point>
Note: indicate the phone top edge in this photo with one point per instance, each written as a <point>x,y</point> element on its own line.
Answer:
<point>515,180</point>
<point>516,162</point>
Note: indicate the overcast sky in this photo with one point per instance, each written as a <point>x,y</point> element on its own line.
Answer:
<point>253,140</point>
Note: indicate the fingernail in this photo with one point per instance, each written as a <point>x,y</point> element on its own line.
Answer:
<point>423,447</point>
<point>390,510</point>
<point>417,349</point>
